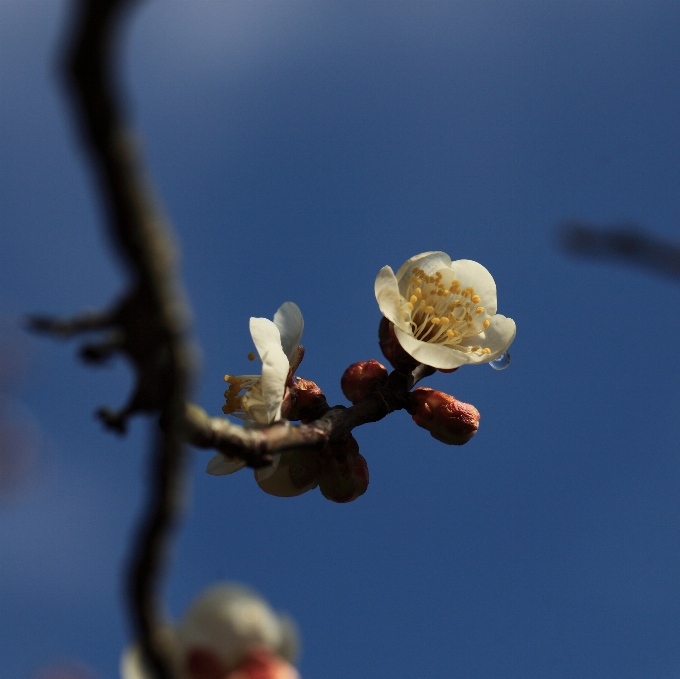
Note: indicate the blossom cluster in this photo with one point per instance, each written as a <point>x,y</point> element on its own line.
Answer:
<point>436,312</point>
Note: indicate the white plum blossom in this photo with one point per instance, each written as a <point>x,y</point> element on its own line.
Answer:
<point>277,343</point>
<point>444,312</point>
<point>224,629</point>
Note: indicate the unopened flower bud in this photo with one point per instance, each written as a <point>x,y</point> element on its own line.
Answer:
<point>392,350</point>
<point>447,419</point>
<point>344,472</point>
<point>362,378</point>
<point>311,402</point>
<point>289,405</point>
<point>303,467</point>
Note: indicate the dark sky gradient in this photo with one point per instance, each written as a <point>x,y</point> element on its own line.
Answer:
<point>299,147</point>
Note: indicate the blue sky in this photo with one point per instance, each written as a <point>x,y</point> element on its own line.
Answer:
<point>299,147</point>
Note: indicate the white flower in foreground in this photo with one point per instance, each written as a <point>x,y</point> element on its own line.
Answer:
<point>444,312</point>
<point>227,632</point>
<point>277,343</point>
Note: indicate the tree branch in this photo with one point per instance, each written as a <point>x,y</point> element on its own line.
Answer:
<point>622,242</point>
<point>256,446</point>
<point>149,324</point>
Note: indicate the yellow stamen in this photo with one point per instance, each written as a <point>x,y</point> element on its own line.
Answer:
<point>486,324</point>
<point>475,348</point>
<point>480,309</point>
<point>486,350</point>
<point>476,299</point>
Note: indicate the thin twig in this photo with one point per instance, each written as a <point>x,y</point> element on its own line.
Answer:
<point>256,446</point>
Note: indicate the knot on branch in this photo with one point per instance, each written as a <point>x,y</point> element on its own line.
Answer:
<point>133,329</point>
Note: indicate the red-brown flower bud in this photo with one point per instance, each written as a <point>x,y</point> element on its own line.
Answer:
<point>295,362</point>
<point>303,467</point>
<point>447,419</point>
<point>392,350</point>
<point>311,402</point>
<point>289,405</point>
<point>344,472</point>
<point>362,378</point>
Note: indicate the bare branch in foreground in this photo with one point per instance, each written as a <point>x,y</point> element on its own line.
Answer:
<point>624,243</point>
<point>149,324</point>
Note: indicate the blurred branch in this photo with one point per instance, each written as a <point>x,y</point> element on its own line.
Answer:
<point>624,243</point>
<point>256,446</point>
<point>149,324</point>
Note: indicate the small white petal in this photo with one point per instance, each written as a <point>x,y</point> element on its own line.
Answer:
<point>275,365</point>
<point>279,484</point>
<point>473,274</point>
<point>498,337</point>
<point>265,334</point>
<point>288,319</point>
<point>429,262</point>
<point>389,299</point>
<point>221,465</point>
<point>435,355</point>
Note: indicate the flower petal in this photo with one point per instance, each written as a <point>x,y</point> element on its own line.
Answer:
<point>288,319</point>
<point>275,365</point>
<point>389,299</point>
<point>430,262</point>
<point>279,483</point>
<point>435,355</point>
<point>221,465</point>
<point>471,273</point>
<point>497,337</point>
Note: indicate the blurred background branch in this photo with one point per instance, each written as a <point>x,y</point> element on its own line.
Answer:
<point>621,242</point>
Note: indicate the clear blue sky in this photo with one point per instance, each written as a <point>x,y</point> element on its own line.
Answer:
<point>298,148</point>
